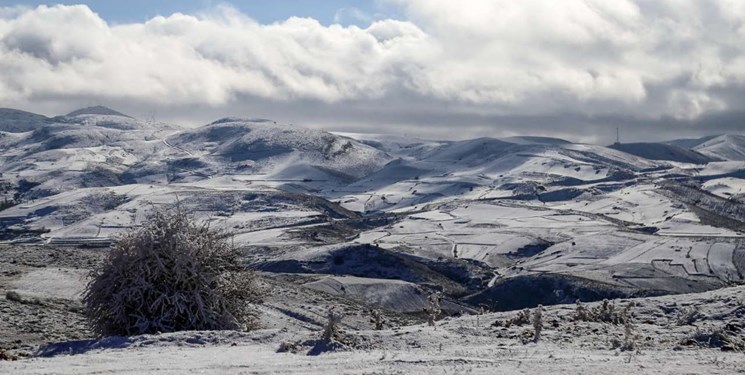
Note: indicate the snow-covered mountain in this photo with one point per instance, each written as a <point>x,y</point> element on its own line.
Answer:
<point>481,218</point>
<point>17,121</point>
<point>261,147</point>
<point>662,151</point>
<point>725,147</point>
<point>96,110</point>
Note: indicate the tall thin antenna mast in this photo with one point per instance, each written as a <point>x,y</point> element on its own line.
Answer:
<point>618,135</point>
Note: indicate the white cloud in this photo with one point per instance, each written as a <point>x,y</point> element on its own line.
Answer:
<point>183,59</point>
<point>647,59</point>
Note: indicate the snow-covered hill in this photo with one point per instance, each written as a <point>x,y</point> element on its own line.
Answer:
<point>17,121</point>
<point>661,151</point>
<point>724,147</point>
<point>394,215</point>
<point>96,110</point>
<point>261,147</point>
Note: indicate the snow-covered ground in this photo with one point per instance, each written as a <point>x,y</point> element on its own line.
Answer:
<point>662,344</point>
<point>454,358</point>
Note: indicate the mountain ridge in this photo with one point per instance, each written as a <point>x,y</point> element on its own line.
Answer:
<point>475,216</point>
<point>96,110</point>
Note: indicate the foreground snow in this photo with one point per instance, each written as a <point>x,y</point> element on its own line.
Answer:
<point>453,359</point>
<point>470,344</point>
<point>425,351</point>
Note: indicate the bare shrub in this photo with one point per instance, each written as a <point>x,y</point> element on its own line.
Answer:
<point>522,318</point>
<point>331,332</point>
<point>172,274</point>
<point>333,338</point>
<point>722,338</point>
<point>606,312</point>
<point>689,316</point>
<point>376,318</point>
<point>537,323</point>
<point>629,337</point>
<point>103,201</point>
<point>581,313</point>
<point>629,342</point>
<point>481,311</point>
<point>433,308</point>
<point>288,347</point>
<point>4,356</point>
<point>12,295</point>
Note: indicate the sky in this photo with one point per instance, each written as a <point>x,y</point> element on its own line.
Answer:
<point>444,69</point>
<point>327,12</point>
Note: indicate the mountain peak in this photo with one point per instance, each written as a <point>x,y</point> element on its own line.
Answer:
<point>96,110</point>
<point>225,120</point>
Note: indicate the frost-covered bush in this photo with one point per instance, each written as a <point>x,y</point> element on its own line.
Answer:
<point>689,315</point>
<point>581,313</point>
<point>433,309</point>
<point>376,318</point>
<point>604,313</point>
<point>724,338</point>
<point>332,330</point>
<point>172,274</point>
<point>537,323</point>
<point>522,318</point>
<point>629,338</point>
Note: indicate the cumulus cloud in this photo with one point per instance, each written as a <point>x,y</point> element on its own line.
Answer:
<point>487,64</point>
<point>183,59</point>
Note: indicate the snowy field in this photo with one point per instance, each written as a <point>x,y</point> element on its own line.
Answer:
<point>457,345</point>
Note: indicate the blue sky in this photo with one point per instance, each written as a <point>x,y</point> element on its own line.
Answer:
<point>264,11</point>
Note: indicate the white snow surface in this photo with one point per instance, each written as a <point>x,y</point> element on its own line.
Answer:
<point>725,147</point>
<point>457,345</point>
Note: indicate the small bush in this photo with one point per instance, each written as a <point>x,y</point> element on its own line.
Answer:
<point>629,341</point>
<point>721,338</point>
<point>689,316</point>
<point>332,331</point>
<point>537,323</point>
<point>376,318</point>
<point>4,356</point>
<point>288,347</point>
<point>604,313</point>
<point>522,318</point>
<point>433,309</point>
<point>581,313</point>
<point>172,274</point>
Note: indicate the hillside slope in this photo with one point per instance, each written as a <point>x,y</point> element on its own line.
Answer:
<point>661,151</point>
<point>724,147</point>
<point>17,121</point>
